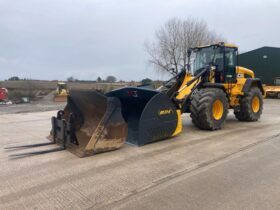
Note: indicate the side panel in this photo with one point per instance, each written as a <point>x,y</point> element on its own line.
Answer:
<point>133,102</point>
<point>158,121</point>
<point>244,81</point>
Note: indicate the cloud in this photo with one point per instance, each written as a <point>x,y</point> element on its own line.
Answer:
<point>52,39</point>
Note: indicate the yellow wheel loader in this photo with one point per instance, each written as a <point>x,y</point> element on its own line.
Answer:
<point>93,122</point>
<point>61,92</point>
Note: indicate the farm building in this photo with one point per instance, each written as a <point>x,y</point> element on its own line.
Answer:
<point>264,61</point>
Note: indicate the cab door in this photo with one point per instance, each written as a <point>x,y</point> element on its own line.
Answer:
<point>230,63</point>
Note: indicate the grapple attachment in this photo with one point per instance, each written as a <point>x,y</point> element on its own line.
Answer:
<point>91,123</point>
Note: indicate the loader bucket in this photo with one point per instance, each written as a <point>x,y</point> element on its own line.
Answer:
<point>149,114</point>
<point>91,123</point>
<point>60,98</point>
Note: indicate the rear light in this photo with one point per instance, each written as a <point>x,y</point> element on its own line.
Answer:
<point>222,78</point>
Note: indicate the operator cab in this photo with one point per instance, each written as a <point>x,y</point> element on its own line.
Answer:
<point>222,56</point>
<point>61,86</point>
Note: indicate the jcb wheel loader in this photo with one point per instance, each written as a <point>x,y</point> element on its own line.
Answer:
<point>93,122</point>
<point>61,92</point>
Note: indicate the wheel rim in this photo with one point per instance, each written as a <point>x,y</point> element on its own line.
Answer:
<point>255,104</point>
<point>217,109</point>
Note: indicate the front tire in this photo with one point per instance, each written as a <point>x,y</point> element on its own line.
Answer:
<point>209,108</point>
<point>251,106</point>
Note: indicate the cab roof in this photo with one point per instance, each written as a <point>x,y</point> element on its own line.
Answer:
<point>218,44</point>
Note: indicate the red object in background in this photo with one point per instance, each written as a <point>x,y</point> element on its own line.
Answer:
<point>3,94</point>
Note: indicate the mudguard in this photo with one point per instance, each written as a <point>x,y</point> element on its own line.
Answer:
<point>252,82</point>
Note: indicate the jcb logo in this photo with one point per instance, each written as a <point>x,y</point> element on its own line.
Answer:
<point>165,112</point>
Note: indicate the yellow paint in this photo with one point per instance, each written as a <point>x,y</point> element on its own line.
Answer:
<point>221,44</point>
<point>235,89</point>
<point>255,104</point>
<point>230,45</point>
<point>212,76</point>
<point>179,123</point>
<point>217,109</point>
<point>185,90</point>
<point>272,90</point>
<point>244,71</point>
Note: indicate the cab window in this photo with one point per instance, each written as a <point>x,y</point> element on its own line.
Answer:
<point>230,57</point>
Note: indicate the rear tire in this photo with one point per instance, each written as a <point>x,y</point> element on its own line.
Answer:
<point>209,108</point>
<point>251,106</point>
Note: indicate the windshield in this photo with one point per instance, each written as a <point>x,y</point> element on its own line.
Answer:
<point>204,56</point>
<point>222,59</point>
<point>62,86</point>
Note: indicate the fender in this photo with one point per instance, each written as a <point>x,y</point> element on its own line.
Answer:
<point>252,82</point>
<point>214,85</point>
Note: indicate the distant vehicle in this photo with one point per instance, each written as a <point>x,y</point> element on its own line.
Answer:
<point>4,96</point>
<point>273,91</point>
<point>61,92</point>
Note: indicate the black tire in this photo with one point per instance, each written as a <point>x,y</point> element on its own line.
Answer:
<point>202,108</point>
<point>245,111</point>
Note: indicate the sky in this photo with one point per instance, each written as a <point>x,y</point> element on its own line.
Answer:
<point>56,39</point>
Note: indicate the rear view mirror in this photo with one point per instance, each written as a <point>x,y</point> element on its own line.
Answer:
<point>189,52</point>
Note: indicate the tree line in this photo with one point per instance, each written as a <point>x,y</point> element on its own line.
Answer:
<point>109,79</point>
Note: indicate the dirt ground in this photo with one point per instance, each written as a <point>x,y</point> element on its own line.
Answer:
<point>45,104</point>
<point>138,177</point>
